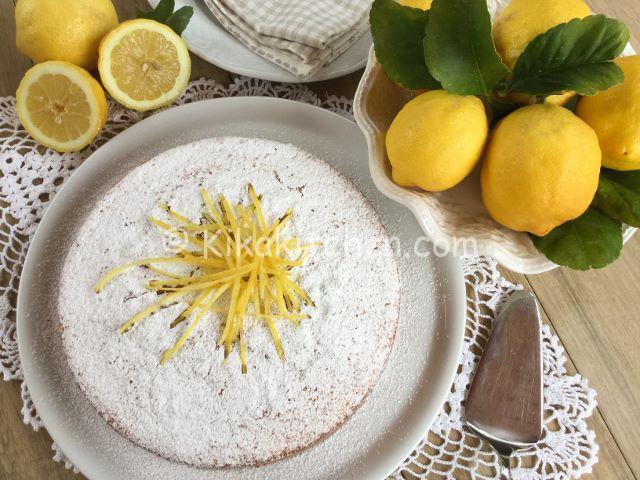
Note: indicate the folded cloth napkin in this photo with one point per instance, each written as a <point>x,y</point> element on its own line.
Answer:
<point>300,36</point>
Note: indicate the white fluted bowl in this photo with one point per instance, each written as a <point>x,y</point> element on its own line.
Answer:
<point>455,220</point>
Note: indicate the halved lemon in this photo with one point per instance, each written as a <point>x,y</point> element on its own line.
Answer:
<point>61,105</point>
<point>144,64</point>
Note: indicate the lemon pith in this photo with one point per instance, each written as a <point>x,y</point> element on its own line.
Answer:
<point>540,169</point>
<point>615,116</point>
<point>61,105</point>
<point>436,140</point>
<point>144,64</point>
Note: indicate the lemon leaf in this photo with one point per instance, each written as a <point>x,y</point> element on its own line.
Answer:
<point>499,109</point>
<point>397,33</point>
<point>163,13</point>
<point>179,20</point>
<point>593,240</point>
<point>576,56</point>
<point>459,50</point>
<point>618,196</point>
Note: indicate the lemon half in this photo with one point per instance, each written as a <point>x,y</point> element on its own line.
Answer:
<point>144,64</point>
<point>61,105</point>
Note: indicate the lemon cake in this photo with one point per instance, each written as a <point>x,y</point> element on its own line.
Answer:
<point>200,408</point>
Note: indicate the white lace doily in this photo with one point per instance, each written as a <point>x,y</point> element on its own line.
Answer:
<point>30,176</point>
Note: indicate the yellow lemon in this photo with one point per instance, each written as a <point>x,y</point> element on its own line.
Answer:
<point>523,20</point>
<point>421,4</point>
<point>144,64</point>
<point>436,140</point>
<point>61,105</point>
<point>67,30</point>
<point>540,169</point>
<point>524,99</point>
<point>615,116</point>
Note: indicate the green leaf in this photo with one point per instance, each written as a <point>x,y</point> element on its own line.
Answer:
<point>459,49</point>
<point>161,13</point>
<point>576,56</point>
<point>500,109</point>
<point>572,104</point>
<point>397,33</point>
<point>180,19</point>
<point>164,13</point>
<point>593,240</point>
<point>618,196</point>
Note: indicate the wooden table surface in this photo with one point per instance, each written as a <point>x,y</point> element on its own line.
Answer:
<point>596,314</point>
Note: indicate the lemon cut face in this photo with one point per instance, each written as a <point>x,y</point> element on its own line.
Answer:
<point>61,106</point>
<point>144,64</point>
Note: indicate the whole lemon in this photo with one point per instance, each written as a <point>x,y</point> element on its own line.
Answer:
<point>523,20</point>
<point>421,4</point>
<point>67,30</point>
<point>540,169</point>
<point>615,116</point>
<point>436,140</point>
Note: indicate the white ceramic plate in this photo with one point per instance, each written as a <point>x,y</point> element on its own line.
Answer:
<point>400,408</point>
<point>210,41</point>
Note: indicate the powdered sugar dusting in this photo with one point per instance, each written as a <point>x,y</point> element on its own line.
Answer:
<point>197,409</point>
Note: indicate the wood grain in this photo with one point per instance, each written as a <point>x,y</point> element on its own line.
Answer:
<point>24,454</point>
<point>612,463</point>
<point>13,63</point>
<point>594,313</point>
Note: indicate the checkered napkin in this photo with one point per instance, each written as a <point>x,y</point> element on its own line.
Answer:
<point>300,36</point>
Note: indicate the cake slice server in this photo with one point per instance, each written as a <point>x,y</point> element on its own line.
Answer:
<point>504,405</point>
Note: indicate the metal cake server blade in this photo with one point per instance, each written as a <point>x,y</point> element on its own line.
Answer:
<point>504,405</point>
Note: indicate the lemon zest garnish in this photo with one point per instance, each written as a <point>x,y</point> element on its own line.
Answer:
<point>168,354</point>
<point>250,263</point>
<point>187,311</point>
<point>256,203</point>
<point>224,276</point>
<point>149,310</point>
<point>164,273</point>
<point>111,274</point>
<point>226,338</point>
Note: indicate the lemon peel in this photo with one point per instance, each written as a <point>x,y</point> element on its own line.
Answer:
<point>249,259</point>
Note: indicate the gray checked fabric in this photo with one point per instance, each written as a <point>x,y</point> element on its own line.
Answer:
<point>311,22</point>
<point>300,36</point>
